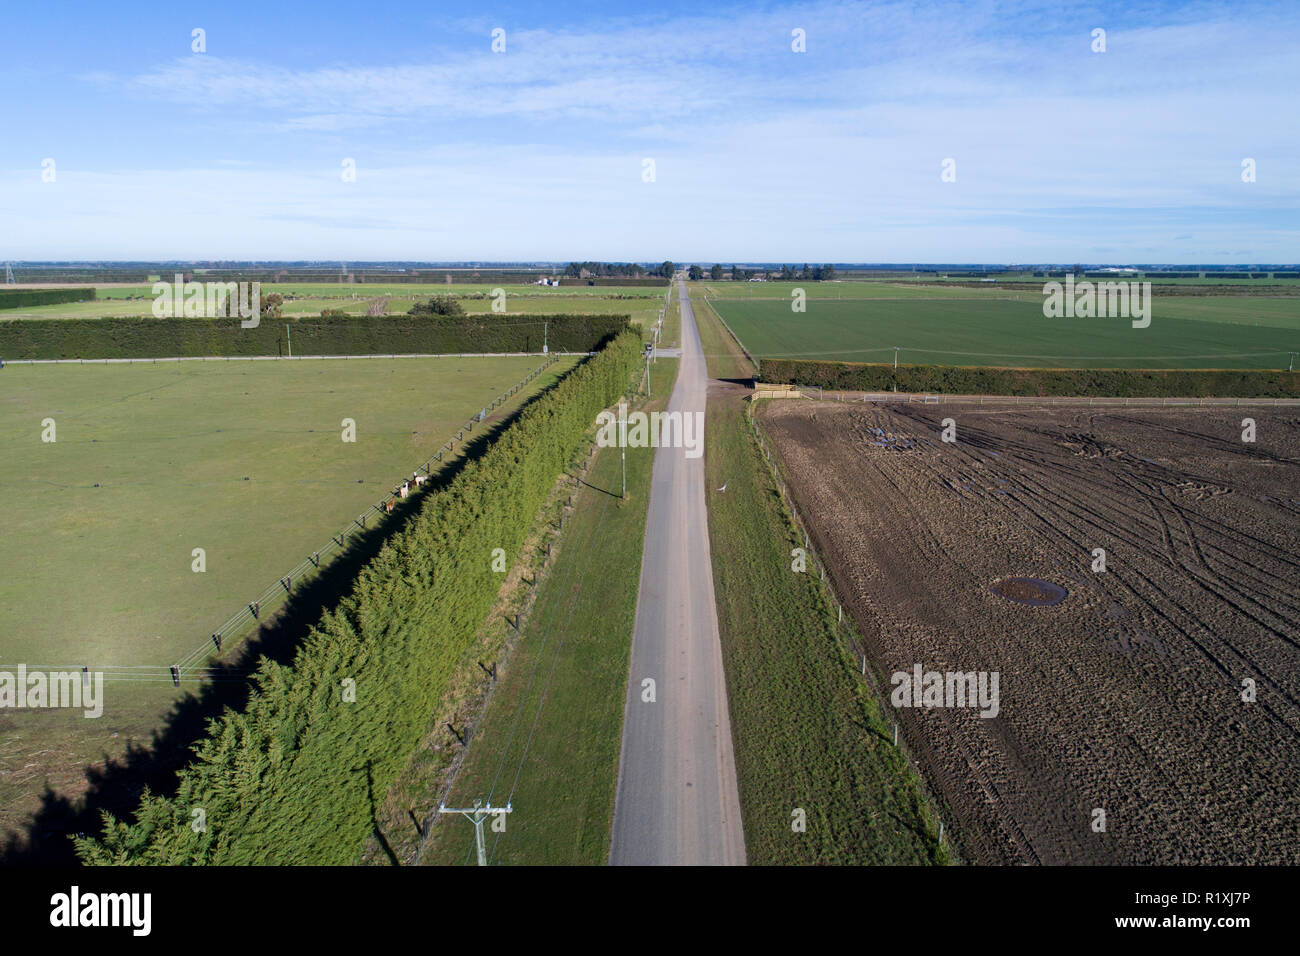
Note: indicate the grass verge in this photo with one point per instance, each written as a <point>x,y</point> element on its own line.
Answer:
<point>721,350</point>
<point>809,734</point>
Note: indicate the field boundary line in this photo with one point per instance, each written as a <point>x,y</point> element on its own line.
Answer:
<point>1152,401</point>
<point>283,358</point>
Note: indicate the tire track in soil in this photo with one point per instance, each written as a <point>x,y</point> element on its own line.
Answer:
<point>1206,575</point>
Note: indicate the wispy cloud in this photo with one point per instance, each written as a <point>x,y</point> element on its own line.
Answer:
<point>760,152</point>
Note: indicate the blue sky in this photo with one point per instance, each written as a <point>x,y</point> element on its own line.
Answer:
<point>760,153</point>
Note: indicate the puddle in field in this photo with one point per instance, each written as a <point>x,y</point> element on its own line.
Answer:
<point>1029,591</point>
<point>890,440</point>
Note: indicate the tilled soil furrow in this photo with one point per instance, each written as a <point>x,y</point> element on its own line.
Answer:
<point>1129,696</point>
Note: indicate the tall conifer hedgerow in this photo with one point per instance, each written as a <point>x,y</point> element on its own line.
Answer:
<point>293,778</point>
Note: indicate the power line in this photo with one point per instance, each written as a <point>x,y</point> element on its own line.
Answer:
<point>478,815</point>
<point>575,594</point>
<point>579,569</point>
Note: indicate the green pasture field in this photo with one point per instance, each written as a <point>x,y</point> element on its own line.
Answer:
<point>426,289</point>
<point>244,459</point>
<point>642,311</point>
<point>866,289</point>
<point>371,289</point>
<point>846,289</point>
<point>642,304</point>
<point>1155,279</point>
<point>1011,331</point>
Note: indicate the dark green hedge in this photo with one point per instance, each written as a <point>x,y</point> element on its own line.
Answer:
<point>960,380</point>
<point>358,276</point>
<point>614,281</point>
<point>56,275</point>
<point>25,298</point>
<point>312,335</point>
<point>290,779</point>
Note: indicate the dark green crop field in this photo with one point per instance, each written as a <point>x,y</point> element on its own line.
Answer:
<point>1248,332</point>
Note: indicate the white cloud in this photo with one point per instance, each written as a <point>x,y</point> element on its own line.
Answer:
<point>832,154</point>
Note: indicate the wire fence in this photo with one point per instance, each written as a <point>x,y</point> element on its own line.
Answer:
<point>853,641</point>
<point>284,358</point>
<point>734,337</point>
<point>194,665</point>
<point>845,631</point>
<point>926,398</point>
<point>574,593</point>
<point>520,621</point>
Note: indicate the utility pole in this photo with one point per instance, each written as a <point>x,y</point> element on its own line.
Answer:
<point>477,815</point>
<point>545,332</point>
<point>1291,367</point>
<point>289,336</point>
<point>622,442</point>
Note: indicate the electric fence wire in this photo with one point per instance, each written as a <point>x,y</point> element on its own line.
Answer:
<point>186,666</point>
<point>547,630</point>
<point>575,596</point>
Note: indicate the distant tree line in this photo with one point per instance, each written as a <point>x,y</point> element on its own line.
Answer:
<point>717,272</point>
<point>820,273</point>
<point>631,270</point>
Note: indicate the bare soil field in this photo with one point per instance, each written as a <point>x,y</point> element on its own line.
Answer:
<point>1125,696</point>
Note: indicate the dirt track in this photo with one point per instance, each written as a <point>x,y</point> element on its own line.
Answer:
<point>1125,697</point>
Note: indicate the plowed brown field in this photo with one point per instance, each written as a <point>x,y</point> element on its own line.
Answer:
<point>1125,697</point>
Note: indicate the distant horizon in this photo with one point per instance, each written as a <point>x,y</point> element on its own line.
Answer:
<point>725,263</point>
